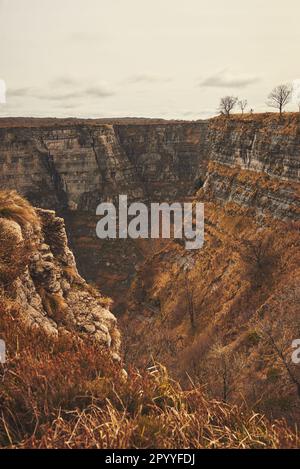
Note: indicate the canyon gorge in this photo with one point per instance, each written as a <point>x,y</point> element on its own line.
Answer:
<point>212,315</point>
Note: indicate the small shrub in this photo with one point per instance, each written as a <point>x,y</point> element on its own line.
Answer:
<point>252,338</point>
<point>53,303</point>
<point>273,375</point>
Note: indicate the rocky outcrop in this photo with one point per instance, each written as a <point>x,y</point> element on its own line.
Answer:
<point>256,190</point>
<point>254,161</point>
<point>260,143</point>
<point>45,283</point>
<point>166,157</point>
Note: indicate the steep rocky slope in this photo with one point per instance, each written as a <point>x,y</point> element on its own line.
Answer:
<point>38,273</point>
<point>214,313</point>
<point>267,151</point>
<point>262,143</point>
<point>225,313</point>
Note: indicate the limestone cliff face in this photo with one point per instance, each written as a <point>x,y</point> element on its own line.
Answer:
<point>262,144</point>
<point>166,158</point>
<point>38,272</point>
<point>71,166</point>
<point>255,162</point>
<point>77,166</point>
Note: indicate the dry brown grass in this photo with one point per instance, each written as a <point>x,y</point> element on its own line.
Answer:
<point>70,272</point>
<point>17,208</point>
<point>14,257</point>
<point>243,267</point>
<point>69,394</point>
<point>19,227</point>
<point>288,120</point>
<point>93,289</point>
<point>53,304</point>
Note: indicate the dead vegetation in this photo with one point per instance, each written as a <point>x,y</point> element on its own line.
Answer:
<point>17,208</point>
<point>69,394</point>
<point>14,256</point>
<point>246,266</point>
<point>16,246</point>
<point>54,304</point>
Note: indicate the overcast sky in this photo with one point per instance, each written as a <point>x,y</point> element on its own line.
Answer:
<point>151,58</point>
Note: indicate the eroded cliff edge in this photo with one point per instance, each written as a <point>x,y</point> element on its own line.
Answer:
<point>38,274</point>
<point>254,161</point>
<point>74,165</point>
<point>77,166</point>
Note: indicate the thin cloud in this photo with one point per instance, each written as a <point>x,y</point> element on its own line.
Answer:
<point>70,105</point>
<point>58,96</point>
<point>2,92</point>
<point>227,80</point>
<point>147,78</point>
<point>66,94</point>
<point>19,92</point>
<point>99,92</point>
<point>199,114</point>
<point>64,81</point>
